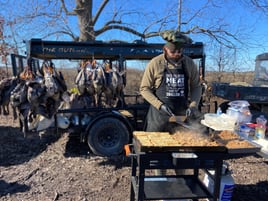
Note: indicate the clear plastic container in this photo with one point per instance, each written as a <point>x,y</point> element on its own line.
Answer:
<point>261,127</point>
<point>240,111</point>
<point>239,104</point>
<point>244,131</point>
<point>242,116</point>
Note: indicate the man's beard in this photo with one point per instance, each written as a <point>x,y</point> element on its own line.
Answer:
<point>173,60</point>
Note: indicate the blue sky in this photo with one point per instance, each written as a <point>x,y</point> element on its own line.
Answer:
<point>233,16</point>
<point>241,19</point>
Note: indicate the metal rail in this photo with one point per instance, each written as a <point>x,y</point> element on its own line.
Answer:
<point>137,50</point>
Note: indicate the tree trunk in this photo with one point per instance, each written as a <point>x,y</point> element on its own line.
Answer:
<point>84,14</point>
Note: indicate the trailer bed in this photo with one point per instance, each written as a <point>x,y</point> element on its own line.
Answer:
<point>233,92</point>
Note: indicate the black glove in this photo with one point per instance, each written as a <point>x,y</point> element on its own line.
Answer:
<point>193,113</point>
<point>165,109</point>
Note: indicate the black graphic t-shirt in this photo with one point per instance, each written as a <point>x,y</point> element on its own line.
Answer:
<point>175,85</point>
<point>173,90</point>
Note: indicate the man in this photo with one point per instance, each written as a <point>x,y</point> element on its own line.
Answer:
<point>167,81</point>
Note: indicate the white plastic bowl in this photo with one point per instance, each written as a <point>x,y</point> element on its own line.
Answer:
<point>211,116</point>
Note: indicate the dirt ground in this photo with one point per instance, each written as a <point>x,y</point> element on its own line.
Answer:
<point>51,168</point>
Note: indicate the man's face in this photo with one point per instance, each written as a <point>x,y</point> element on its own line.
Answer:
<point>173,54</point>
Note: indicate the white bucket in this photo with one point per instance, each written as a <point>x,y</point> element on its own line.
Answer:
<point>226,186</point>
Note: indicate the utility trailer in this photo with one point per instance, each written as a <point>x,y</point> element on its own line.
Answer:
<point>255,93</point>
<point>106,130</point>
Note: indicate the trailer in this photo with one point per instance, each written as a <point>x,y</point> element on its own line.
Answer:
<point>105,130</point>
<point>256,93</point>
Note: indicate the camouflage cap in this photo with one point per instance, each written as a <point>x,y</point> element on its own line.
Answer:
<point>175,38</point>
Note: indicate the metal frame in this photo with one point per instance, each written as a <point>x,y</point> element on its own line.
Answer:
<point>18,63</point>
<point>103,50</point>
<point>204,160</point>
<point>113,51</point>
<point>121,51</point>
<point>142,161</point>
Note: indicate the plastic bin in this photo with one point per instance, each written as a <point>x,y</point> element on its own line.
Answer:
<point>240,111</point>
<point>227,184</point>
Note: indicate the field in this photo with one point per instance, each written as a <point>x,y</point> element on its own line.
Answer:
<point>60,168</point>
<point>134,77</point>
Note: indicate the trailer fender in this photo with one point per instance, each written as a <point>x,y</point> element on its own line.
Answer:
<point>107,133</point>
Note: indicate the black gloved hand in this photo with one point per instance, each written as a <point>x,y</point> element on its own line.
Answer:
<point>194,114</point>
<point>165,109</point>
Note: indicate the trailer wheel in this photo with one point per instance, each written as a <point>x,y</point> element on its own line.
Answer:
<point>107,136</point>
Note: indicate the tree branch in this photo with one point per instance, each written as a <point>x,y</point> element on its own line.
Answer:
<point>99,11</point>
<point>214,34</point>
<point>127,29</point>
<point>123,28</point>
<point>112,22</point>
<point>74,38</point>
<point>63,6</point>
<point>197,13</point>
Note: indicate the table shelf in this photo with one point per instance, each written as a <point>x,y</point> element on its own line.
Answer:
<point>187,187</point>
<point>145,186</point>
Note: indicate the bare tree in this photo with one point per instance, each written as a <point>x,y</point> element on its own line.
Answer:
<point>46,18</point>
<point>57,13</point>
<point>224,59</point>
<point>87,21</point>
<point>260,5</point>
<point>5,48</point>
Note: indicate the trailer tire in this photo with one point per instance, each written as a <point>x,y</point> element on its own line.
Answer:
<point>107,136</point>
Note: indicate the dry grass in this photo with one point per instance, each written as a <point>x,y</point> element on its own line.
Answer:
<point>134,78</point>
<point>230,77</point>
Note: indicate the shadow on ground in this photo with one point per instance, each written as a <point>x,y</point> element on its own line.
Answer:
<point>75,148</point>
<point>16,149</point>
<point>12,188</point>
<point>250,192</point>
